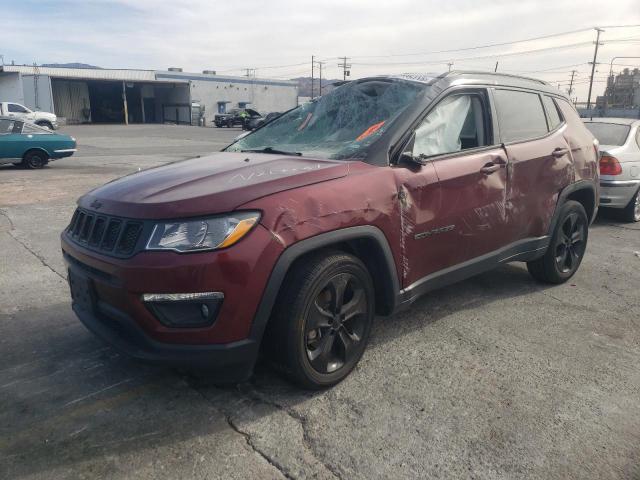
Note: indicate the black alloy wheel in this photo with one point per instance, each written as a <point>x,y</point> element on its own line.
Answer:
<point>570,243</point>
<point>335,323</point>
<point>566,248</point>
<point>322,319</point>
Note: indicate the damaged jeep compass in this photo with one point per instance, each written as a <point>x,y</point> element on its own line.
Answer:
<point>294,237</point>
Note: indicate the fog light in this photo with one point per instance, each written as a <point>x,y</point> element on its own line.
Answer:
<point>184,310</point>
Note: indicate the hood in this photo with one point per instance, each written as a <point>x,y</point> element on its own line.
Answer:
<point>213,184</point>
<point>47,115</point>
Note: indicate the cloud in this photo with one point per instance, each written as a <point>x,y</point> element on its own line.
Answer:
<point>220,35</point>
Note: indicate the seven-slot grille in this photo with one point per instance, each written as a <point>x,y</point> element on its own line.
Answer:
<point>104,233</point>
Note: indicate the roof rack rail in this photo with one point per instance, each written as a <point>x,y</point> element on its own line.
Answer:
<point>498,74</point>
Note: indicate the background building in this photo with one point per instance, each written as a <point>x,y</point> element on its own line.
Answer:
<point>95,95</point>
<point>623,90</point>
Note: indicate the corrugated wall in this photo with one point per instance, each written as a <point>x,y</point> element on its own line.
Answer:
<point>71,100</point>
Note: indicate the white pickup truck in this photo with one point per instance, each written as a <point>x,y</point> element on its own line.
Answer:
<point>20,112</point>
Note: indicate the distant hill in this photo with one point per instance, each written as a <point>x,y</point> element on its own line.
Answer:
<point>70,65</point>
<point>304,85</point>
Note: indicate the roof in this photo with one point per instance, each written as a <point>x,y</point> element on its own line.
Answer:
<point>129,75</point>
<point>618,120</point>
<point>463,77</point>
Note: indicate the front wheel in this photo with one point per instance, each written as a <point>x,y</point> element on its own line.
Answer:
<point>34,159</point>
<point>568,244</point>
<point>322,319</point>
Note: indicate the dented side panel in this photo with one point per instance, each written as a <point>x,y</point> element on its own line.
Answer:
<point>367,196</point>
<point>536,178</point>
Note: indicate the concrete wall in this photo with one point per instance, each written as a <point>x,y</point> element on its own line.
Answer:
<point>11,88</point>
<point>261,95</point>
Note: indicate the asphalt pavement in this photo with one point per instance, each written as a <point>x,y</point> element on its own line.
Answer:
<point>497,377</point>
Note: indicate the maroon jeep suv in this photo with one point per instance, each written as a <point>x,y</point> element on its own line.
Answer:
<point>294,237</point>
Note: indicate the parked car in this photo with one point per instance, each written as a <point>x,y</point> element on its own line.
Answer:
<point>257,122</point>
<point>20,112</point>
<point>619,164</point>
<point>32,146</point>
<point>235,117</point>
<point>353,205</point>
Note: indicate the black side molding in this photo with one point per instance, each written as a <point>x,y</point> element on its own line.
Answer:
<point>298,249</point>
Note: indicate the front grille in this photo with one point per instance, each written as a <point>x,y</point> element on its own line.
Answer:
<point>104,233</point>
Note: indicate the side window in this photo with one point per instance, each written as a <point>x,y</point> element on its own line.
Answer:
<point>15,108</point>
<point>6,126</point>
<point>34,129</point>
<point>553,116</point>
<point>456,123</point>
<point>569,113</point>
<point>520,115</point>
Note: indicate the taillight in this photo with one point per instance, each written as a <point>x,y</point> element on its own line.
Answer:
<point>610,165</point>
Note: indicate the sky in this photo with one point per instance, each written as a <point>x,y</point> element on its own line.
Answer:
<point>278,37</point>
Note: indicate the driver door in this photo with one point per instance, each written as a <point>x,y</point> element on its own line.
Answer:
<point>463,217</point>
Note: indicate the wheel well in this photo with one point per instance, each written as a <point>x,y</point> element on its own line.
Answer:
<point>586,197</point>
<point>36,150</point>
<point>370,253</point>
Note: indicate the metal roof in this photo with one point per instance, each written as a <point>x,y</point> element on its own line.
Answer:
<point>127,75</point>
<point>84,73</point>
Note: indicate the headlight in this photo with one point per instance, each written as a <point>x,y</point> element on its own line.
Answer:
<point>202,234</point>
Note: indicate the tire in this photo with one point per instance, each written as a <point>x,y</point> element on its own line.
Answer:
<point>229,123</point>
<point>34,159</point>
<point>306,339</point>
<point>566,250</point>
<point>631,212</point>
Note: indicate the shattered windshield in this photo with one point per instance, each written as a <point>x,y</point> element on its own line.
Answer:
<point>338,125</point>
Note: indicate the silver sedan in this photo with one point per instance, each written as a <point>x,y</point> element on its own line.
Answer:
<point>619,164</point>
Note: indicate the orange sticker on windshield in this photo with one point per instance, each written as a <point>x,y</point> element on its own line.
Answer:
<point>369,131</point>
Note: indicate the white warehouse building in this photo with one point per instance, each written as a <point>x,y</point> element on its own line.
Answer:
<point>88,95</point>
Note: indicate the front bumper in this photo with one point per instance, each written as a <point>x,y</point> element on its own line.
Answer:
<point>118,315</point>
<point>617,193</point>
<point>62,153</point>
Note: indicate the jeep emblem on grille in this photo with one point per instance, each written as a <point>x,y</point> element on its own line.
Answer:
<point>96,204</point>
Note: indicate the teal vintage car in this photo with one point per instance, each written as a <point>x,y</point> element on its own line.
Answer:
<point>31,146</point>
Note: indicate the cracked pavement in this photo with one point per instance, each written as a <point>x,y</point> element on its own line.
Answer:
<point>495,377</point>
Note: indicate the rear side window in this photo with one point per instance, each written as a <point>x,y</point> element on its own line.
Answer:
<point>609,133</point>
<point>6,126</point>
<point>552,112</point>
<point>520,115</point>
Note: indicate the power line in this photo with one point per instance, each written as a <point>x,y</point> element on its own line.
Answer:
<point>345,67</point>
<point>490,45</point>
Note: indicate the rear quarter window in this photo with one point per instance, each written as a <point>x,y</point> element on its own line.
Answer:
<point>552,112</point>
<point>520,115</point>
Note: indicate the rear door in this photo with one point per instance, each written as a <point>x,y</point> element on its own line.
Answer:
<point>539,156</point>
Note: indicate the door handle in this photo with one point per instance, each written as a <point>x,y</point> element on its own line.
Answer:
<point>490,167</point>
<point>560,152</point>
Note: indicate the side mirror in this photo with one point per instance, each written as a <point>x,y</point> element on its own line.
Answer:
<point>407,155</point>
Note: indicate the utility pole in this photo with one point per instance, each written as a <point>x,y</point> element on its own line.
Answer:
<point>593,65</point>
<point>573,73</point>
<point>320,77</point>
<point>496,69</point>
<point>313,62</point>
<point>450,64</point>
<point>345,68</point>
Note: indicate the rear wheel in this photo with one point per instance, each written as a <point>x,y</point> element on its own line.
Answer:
<point>34,159</point>
<point>568,244</point>
<point>631,212</point>
<point>322,319</point>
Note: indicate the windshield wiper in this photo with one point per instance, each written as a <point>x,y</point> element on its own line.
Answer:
<point>272,150</point>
